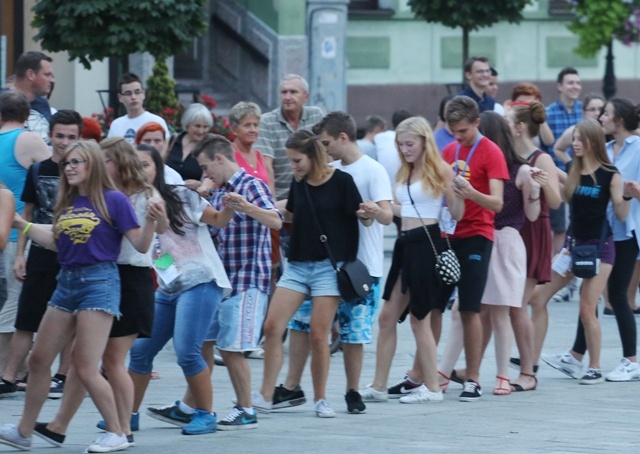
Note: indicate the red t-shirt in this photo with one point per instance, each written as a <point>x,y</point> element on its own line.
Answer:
<point>487,163</point>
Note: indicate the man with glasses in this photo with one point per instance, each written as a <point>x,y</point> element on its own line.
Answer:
<point>131,94</point>
<point>478,72</point>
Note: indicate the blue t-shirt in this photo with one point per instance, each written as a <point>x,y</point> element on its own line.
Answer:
<point>84,238</point>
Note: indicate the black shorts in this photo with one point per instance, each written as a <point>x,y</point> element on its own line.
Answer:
<point>558,219</point>
<point>136,302</point>
<point>39,284</point>
<point>474,254</point>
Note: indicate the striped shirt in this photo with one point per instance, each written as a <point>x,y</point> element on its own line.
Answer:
<point>274,133</point>
<point>245,244</point>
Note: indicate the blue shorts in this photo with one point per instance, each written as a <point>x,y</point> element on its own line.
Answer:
<point>95,287</point>
<point>355,317</point>
<point>311,278</point>
<point>237,322</point>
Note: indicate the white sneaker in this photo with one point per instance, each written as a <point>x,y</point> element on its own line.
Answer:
<point>323,409</point>
<point>421,395</point>
<point>565,363</point>
<point>626,371</point>
<point>370,394</point>
<point>258,403</point>
<point>109,442</point>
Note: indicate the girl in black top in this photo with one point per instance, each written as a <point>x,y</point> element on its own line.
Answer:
<point>336,201</point>
<point>592,182</point>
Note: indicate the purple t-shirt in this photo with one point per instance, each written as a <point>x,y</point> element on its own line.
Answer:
<point>84,238</point>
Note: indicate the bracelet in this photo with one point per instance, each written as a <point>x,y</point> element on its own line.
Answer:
<point>624,197</point>
<point>27,228</point>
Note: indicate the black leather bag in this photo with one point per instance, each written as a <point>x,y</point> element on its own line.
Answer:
<point>354,281</point>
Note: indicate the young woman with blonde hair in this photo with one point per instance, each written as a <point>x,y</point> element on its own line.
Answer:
<point>423,184</point>
<point>592,182</point>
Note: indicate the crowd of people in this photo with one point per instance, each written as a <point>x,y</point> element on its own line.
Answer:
<point>119,246</point>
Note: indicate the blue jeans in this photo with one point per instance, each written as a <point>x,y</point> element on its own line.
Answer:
<point>186,317</point>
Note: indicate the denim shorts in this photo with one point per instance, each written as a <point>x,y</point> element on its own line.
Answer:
<point>355,317</point>
<point>237,323</point>
<point>94,288</point>
<point>311,278</point>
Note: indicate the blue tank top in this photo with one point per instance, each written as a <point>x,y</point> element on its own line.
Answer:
<point>12,174</point>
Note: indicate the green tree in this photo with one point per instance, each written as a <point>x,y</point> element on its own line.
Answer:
<point>469,15</point>
<point>598,23</point>
<point>91,30</point>
<point>161,99</point>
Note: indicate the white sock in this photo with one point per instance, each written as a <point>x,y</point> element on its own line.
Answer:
<point>249,410</point>
<point>184,408</point>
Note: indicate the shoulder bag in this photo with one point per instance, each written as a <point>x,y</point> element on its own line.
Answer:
<point>585,259</point>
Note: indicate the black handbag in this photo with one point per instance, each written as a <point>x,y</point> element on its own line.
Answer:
<point>585,259</point>
<point>447,263</point>
<point>354,281</point>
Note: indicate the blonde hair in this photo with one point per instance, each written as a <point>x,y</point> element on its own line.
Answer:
<point>131,175</point>
<point>97,180</point>
<point>593,143</point>
<point>433,175</point>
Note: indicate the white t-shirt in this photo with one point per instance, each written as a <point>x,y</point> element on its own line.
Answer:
<point>373,184</point>
<point>388,154</point>
<point>128,127</point>
<point>498,108</point>
<point>171,176</point>
<point>368,148</point>
<point>129,255</point>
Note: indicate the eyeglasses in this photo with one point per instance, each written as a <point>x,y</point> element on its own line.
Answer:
<point>72,162</point>
<point>131,93</point>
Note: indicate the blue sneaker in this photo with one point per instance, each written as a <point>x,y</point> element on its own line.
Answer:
<point>202,422</point>
<point>238,419</point>
<point>135,423</point>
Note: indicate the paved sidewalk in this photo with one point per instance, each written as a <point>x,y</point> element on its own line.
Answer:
<point>560,417</point>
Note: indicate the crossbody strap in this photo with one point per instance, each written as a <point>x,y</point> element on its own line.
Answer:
<point>323,238</point>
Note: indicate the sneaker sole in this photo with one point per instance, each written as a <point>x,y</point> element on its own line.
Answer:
<point>322,415</point>
<point>237,427</point>
<point>397,396</point>
<point>355,411</point>
<point>469,399</point>
<point>54,396</point>
<point>289,403</point>
<point>15,445</point>
<point>617,380</point>
<point>51,441</point>
<point>122,447</point>
<point>165,419</point>
<point>592,382</point>
<point>200,432</point>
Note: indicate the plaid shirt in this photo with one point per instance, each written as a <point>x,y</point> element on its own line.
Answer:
<point>559,121</point>
<point>274,133</point>
<point>245,244</point>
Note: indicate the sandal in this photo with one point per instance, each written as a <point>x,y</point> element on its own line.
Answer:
<point>155,375</point>
<point>503,387</point>
<point>443,385</point>
<point>517,387</point>
<point>456,378</point>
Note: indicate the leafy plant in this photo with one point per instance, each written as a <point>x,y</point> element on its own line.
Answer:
<point>161,97</point>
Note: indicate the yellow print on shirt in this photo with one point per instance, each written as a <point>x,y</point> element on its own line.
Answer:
<point>461,164</point>
<point>77,223</point>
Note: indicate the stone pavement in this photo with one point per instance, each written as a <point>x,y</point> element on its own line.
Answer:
<point>560,417</point>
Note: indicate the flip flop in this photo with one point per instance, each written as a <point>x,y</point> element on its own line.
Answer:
<point>501,389</point>
<point>518,388</point>
<point>456,378</point>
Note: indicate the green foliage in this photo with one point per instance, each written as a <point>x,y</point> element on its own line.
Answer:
<point>91,30</point>
<point>469,14</point>
<point>161,97</point>
<point>597,22</point>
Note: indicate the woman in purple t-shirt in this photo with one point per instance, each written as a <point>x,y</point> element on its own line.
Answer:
<point>90,219</point>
